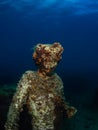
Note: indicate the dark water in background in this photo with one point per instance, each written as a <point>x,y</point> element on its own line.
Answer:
<point>73,23</point>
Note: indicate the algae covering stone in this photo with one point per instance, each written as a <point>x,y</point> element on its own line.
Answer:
<point>42,92</point>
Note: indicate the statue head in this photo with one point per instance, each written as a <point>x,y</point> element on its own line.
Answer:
<point>47,56</point>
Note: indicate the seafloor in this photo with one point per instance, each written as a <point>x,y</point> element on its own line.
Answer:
<point>83,95</point>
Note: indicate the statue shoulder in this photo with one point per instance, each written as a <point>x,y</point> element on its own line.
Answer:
<point>29,74</point>
<point>26,79</point>
<point>58,78</point>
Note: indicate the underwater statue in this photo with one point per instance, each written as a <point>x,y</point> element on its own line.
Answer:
<point>42,92</point>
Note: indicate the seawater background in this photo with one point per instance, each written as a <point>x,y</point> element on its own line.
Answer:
<point>73,23</point>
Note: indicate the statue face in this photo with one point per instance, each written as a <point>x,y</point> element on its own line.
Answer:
<point>47,56</point>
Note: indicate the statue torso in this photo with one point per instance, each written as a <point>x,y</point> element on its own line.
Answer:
<point>41,96</point>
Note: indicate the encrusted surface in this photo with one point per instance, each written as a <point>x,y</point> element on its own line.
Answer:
<point>47,56</point>
<point>42,96</point>
<point>41,100</point>
<point>42,92</point>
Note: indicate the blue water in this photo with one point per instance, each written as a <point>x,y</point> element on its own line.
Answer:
<point>73,23</point>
